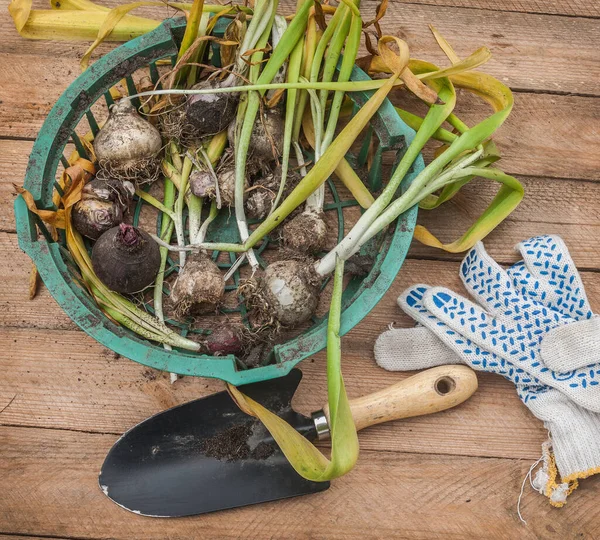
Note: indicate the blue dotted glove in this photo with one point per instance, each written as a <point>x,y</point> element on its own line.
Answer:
<point>533,325</point>
<point>518,327</point>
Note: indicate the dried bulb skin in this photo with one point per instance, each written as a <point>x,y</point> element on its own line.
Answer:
<point>264,191</point>
<point>266,141</point>
<point>102,206</point>
<point>290,288</point>
<point>199,287</point>
<point>209,114</point>
<point>127,146</point>
<point>305,233</point>
<point>126,259</point>
<point>226,177</point>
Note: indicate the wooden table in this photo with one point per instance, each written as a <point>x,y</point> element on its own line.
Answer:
<point>64,399</point>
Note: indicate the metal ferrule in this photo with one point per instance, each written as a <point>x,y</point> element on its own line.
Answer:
<point>321,424</point>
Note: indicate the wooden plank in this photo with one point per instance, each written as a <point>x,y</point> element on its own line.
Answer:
<point>63,379</point>
<point>564,148</point>
<point>66,380</point>
<point>539,129</point>
<point>31,537</point>
<point>557,7</point>
<point>524,59</point>
<point>52,488</point>
<point>549,207</point>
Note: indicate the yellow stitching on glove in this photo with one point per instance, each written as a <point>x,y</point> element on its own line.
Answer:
<point>552,485</point>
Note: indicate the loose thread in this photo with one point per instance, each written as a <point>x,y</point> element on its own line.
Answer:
<point>527,476</point>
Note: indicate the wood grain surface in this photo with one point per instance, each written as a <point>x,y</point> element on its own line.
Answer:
<point>65,399</point>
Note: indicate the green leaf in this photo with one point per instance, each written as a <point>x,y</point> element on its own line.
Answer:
<point>306,459</point>
<point>325,166</point>
<point>506,200</point>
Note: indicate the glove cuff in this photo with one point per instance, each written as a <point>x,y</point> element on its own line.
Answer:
<point>575,439</point>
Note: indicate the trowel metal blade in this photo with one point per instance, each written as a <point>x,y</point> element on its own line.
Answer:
<point>207,455</point>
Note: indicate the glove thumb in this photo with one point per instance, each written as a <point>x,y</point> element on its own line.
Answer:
<point>409,349</point>
<point>572,346</point>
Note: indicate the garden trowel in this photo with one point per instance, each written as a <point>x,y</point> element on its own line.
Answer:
<point>208,455</point>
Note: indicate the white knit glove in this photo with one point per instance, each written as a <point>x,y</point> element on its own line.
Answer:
<point>532,325</point>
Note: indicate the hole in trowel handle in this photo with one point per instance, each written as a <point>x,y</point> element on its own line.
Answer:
<point>444,385</point>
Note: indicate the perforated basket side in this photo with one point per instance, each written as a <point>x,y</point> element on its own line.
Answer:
<point>359,297</point>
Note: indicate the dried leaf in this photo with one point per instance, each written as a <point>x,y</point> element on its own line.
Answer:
<point>320,16</point>
<point>234,33</point>
<point>444,45</point>
<point>34,281</point>
<point>379,14</point>
<point>74,178</point>
<point>19,10</point>
<point>506,200</point>
<point>110,22</point>
<point>75,25</point>
<point>399,64</point>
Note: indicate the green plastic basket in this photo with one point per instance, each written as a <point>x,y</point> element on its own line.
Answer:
<point>52,259</point>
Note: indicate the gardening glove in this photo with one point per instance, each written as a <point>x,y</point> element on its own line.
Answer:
<point>546,274</point>
<point>545,284</point>
<point>531,316</point>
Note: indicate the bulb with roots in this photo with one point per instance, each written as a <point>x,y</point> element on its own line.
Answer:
<point>209,114</point>
<point>199,288</point>
<point>287,293</point>
<point>266,140</point>
<point>306,232</point>
<point>128,146</point>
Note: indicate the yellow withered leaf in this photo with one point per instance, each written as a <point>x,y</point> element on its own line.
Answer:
<point>444,45</point>
<point>19,10</point>
<point>112,18</point>
<point>343,171</point>
<point>34,281</point>
<point>57,24</point>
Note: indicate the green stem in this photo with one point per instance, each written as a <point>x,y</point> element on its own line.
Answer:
<point>350,52</point>
<point>436,115</point>
<point>176,161</point>
<point>323,168</point>
<point>333,52</point>
<point>166,230</point>
<point>310,45</point>
<point>146,197</point>
<point>332,41</point>
<point>179,204</point>
<point>293,74</point>
<point>420,187</point>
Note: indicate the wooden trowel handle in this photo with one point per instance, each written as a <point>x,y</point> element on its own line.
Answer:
<point>430,391</point>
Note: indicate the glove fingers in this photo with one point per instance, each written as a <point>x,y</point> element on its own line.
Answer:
<point>550,276</point>
<point>408,349</point>
<point>480,338</point>
<point>513,346</point>
<point>412,301</point>
<point>487,282</point>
